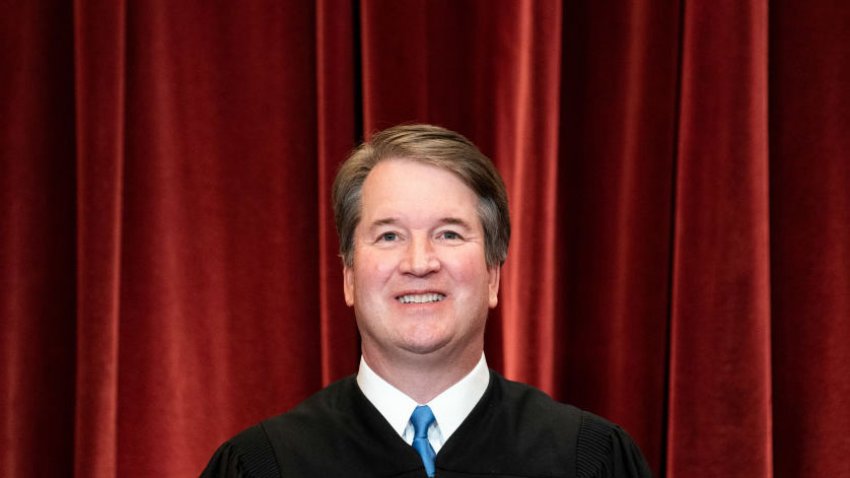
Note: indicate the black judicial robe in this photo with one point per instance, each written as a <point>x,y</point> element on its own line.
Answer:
<point>514,431</point>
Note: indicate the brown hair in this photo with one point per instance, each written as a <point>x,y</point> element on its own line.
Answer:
<point>431,145</point>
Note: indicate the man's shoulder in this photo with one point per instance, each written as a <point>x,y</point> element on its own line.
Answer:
<point>326,406</point>
<point>305,430</point>
<point>339,422</point>
<point>323,407</point>
<point>573,438</point>
<point>534,405</point>
<point>542,410</point>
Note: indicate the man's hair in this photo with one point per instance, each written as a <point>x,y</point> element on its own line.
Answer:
<point>430,145</point>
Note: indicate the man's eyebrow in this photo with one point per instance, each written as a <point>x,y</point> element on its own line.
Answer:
<point>455,221</point>
<point>386,221</point>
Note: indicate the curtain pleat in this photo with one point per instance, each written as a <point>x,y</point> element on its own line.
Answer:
<point>810,236</point>
<point>37,240</point>
<point>720,390</point>
<point>527,95</point>
<point>336,27</point>
<point>220,254</point>
<point>678,176</point>
<point>615,188</point>
<point>99,66</point>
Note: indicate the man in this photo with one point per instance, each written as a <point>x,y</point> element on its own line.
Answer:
<point>423,223</point>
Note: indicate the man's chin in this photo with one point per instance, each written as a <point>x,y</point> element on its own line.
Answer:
<point>426,348</point>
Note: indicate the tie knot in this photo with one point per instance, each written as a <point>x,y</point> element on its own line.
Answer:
<point>421,419</point>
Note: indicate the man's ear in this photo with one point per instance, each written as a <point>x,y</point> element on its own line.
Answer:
<point>494,273</point>
<point>348,284</point>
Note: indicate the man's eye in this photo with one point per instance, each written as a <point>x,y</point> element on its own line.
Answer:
<point>388,237</point>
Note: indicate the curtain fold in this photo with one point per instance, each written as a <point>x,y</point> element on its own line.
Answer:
<point>616,176</point>
<point>336,66</point>
<point>810,236</point>
<point>99,67</point>
<point>37,240</point>
<point>221,253</point>
<point>527,113</point>
<point>678,177</point>
<point>720,389</point>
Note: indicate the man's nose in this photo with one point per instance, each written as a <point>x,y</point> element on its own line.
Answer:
<point>420,258</point>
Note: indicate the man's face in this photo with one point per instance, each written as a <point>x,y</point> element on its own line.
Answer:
<point>419,283</point>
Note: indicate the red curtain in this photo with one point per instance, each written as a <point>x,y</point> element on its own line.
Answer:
<point>680,189</point>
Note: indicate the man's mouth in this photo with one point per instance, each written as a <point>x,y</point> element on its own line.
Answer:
<point>420,298</point>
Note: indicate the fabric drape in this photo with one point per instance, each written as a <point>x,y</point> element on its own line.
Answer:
<point>678,175</point>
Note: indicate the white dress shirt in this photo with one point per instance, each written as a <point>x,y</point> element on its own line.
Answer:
<point>450,407</point>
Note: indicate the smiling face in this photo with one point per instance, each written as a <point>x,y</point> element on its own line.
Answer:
<point>419,283</point>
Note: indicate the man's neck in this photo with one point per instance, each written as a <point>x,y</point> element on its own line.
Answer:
<point>423,378</point>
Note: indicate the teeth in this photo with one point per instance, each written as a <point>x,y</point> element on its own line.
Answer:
<point>420,298</point>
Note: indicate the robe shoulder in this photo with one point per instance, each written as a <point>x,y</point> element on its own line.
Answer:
<point>331,432</point>
<point>605,450</point>
<point>247,455</point>
<point>530,434</point>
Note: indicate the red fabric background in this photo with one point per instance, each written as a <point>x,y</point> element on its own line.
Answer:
<point>678,175</point>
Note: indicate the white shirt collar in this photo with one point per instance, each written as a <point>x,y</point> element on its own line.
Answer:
<point>450,407</point>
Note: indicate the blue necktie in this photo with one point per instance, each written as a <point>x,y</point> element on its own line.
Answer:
<point>421,419</point>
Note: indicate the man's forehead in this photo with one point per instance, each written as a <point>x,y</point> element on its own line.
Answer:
<point>414,163</point>
<point>443,221</point>
<point>407,191</point>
